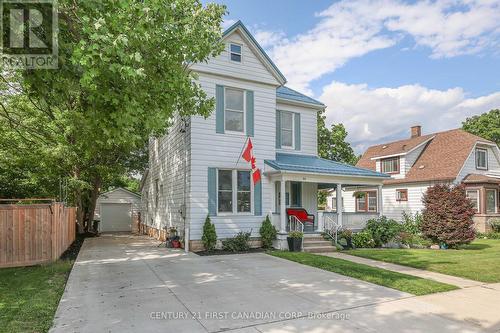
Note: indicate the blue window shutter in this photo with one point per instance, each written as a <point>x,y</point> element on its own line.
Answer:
<point>250,112</point>
<point>257,197</point>
<point>297,131</point>
<point>278,129</point>
<point>212,191</point>
<point>219,109</point>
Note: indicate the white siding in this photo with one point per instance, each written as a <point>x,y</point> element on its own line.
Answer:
<point>251,68</point>
<point>470,165</point>
<point>117,196</point>
<point>310,198</point>
<point>308,129</point>
<point>166,163</point>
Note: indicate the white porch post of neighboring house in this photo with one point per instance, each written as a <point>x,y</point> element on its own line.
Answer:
<point>380,201</point>
<point>339,204</point>
<point>282,205</point>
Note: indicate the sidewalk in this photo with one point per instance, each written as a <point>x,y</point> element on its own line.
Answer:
<point>453,280</point>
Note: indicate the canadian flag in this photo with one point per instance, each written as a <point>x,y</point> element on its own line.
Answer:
<point>248,156</point>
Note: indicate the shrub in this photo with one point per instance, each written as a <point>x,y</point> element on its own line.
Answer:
<point>494,224</point>
<point>209,237</point>
<point>447,216</point>
<point>363,239</point>
<point>295,234</point>
<point>383,230</point>
<point>489,235</point>
<point>267,233</point>
<point>346,233</point>
<point>411,223</point>
<point>238,243</point>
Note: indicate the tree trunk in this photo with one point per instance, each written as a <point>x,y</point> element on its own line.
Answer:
<point>79,204</point>
<point>96,188</point>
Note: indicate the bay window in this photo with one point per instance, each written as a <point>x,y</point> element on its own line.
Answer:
<point>473,196</point>
<point>234,191</point>
<point>491,201</point>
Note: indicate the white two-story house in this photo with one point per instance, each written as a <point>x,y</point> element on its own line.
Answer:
<point>414,164</point>
<point>196,171</point>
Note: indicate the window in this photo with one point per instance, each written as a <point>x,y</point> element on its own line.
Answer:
<point>473,196</point>
<point>287,129</point>
<point>234,110</point>
<point>491,201</point>
<point>296,190</point>
<point>402,195</point>
<point>390,165</point>
<point>334,204</point>
<point>235,52</point>
<point>481,159</point>
<point>234,186</point>
<point>366,201</point>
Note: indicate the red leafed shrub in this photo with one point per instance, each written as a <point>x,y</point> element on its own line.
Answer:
<point>447,217</point>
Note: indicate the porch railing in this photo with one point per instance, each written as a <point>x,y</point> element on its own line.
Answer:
<point>331,225</point>
<point>350,220</point>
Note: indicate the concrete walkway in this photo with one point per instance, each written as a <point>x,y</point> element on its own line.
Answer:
<point>128,284</point>
<point>453,280</point>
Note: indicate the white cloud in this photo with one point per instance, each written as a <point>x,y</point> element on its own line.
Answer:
<point>227,23</point>
<point>379,115</point>
<point>349,29</point>
<point>267,38</point>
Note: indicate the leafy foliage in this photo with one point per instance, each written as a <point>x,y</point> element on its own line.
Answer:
<point>295,234</point>
<point>494,224</point>
<point>411,223</point>
<point>238,243</point>
<point>383,230</point>
<point>363,239</point>
<point>209,237</point>
<point>486,125</point>
<point>447,216</point>
<point>267,233</point>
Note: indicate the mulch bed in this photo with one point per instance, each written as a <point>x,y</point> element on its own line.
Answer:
<point>72,252</point>
<point>223,252</point>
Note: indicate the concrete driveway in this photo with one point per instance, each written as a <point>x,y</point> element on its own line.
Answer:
<point>126,283</point>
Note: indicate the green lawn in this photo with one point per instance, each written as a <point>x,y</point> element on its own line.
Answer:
<point>29,296</point>
<point>407,283</point>
<point>478,261</point>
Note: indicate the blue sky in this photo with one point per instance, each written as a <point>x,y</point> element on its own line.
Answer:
<point>383,65</point>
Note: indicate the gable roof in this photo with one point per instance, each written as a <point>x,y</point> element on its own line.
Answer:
<point>442,158</point>
<point>119,189</point>
<point>293,95</point>
<point>314,164</point>
<point>256,48</point>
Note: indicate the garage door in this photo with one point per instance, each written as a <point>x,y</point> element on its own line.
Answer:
<point>116,217</point>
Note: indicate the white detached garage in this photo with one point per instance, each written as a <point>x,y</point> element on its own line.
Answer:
<point>115,209</point>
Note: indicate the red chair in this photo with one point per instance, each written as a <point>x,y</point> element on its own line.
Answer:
<point>302,215</point>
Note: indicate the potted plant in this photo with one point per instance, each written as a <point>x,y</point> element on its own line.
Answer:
<point>174,238</point>
<point>295,241</point>
<point>347,235</point>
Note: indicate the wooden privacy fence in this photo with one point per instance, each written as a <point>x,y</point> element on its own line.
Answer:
<point>34,234</point>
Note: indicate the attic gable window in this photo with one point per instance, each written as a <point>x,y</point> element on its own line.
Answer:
<point>235,52</point>
<point>481,159</point>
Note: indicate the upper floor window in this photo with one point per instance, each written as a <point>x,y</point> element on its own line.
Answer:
<point>235,51</point>
<point>481,159</point>
<point>234,110</point>
<point>287,130</point>
<point>390,165</point>
<point>234,191</point>
<point>473,196</point>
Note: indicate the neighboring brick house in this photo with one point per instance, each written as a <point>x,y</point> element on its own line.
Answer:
<point>414,164</point>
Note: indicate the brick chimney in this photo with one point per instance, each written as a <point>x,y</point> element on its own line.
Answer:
<point>416,131</point>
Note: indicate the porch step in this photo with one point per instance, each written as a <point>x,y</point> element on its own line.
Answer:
<point>319,249</point>
<point>315,243</point>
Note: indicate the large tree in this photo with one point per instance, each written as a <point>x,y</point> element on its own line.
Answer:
<point>486,125</point>
<point>123,76</point>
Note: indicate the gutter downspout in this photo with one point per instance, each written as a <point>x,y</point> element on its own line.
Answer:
<point>184,129</point>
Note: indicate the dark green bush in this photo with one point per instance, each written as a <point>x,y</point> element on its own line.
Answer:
<point>209,237</point>
<point>411,223</point>
<point>238,243</point>
<point>494,224</point>
<point>363,239</point>
<point>383,230</point>
<point>267,233</point>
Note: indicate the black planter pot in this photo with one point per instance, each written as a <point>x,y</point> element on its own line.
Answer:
<point>349,243</point>
<point>294,244</point>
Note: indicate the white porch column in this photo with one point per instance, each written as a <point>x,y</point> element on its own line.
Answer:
<point>380,201</point>
<point>283,205</point>
<point>339,204</point>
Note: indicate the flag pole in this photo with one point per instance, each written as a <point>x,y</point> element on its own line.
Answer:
<point>241,152</point>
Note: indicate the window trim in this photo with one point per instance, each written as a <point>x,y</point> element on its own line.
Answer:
<point>236,53</point>
<point>402,190</point>
<point>485,158</point>
<point>234,195</point>
<point>283,146</point>
<point>486,200</point>
<point>243,132</point>
<point>478,192</point>
<point>391,158</point>
<point>367,196</point>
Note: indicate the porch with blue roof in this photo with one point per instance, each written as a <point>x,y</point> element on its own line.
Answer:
<point>301,176</point>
